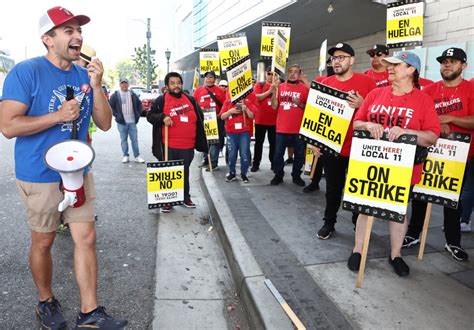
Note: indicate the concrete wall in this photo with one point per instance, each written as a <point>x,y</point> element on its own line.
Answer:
<point>446,21</point>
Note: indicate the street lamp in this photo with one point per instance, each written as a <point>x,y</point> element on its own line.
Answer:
<point>168,55</point>
<point>148,51</point>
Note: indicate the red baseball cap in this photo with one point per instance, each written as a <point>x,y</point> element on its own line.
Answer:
<point>56,16</point>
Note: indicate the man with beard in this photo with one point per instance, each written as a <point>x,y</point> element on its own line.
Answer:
<point>290,100</point>
<point>378,72</point>
<point>454,103</point>
<point>184,119</point>
<point>358,86</point>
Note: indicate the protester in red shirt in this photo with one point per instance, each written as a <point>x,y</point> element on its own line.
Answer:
<point>290,100</point>
<point>424,82</point>
<point>184,119</point>
<point>265,120</point>
<point>239,128</point>
<point>454,102</point>
<point>358,85</point>
<point>378,72</point>
<point>412,112</point>
<point>211,96</point>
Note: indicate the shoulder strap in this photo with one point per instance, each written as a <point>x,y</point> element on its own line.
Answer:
<point>213,96</point>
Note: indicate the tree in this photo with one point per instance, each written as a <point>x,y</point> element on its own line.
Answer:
<point>140,64</point>
<point>125,69</point>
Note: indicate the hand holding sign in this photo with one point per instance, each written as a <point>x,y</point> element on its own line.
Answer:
<point>375,130</point>
<point>355,99</point>
<point>168,121</point>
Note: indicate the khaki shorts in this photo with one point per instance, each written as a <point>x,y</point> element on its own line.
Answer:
<point>42,199</point>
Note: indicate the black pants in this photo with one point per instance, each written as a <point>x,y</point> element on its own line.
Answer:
<point>260,131</point>
<point>452,226</point>
<point>318,172</point>
<point>335,169</point>
<point>187,155</point>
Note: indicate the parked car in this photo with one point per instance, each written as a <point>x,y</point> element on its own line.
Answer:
<point>146,96</point>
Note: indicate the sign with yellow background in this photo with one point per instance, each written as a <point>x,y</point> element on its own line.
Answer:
<point>239,77</point>
<point>269,31</point>
<point>279,54</point>
<point>210,126</point>
<point>308,161</point>
<point>405,23</point>
<point>209,61</point>
<point>232,47</point>
<point>165,183</point>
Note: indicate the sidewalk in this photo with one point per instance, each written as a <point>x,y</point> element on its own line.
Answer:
<point>275,227</point>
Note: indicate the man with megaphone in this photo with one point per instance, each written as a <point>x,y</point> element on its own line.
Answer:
<point>48,100</point>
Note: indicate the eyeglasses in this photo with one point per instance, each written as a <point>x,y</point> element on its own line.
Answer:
<point>269,73</point>
<point>378,54</point>
<point>339,58</point>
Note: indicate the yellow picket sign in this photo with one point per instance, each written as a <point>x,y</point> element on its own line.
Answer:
<point>165,183</point>
<point>405,23</point>
<point>209,61</point>
<point>210,126</point>
<point>232,48</point>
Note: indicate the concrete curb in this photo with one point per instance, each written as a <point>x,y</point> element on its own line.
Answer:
<point>262,308</point>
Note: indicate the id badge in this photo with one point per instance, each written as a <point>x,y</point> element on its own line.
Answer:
<point>183,119</point>
<point>213,104</point>
<point>270,103</point>
<point>238,125</point>
<point>287,106</point>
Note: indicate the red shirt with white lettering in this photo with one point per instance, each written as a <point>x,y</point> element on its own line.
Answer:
<point>454,101</point>
<point>380,78</point>
<point>204,99</point>
<point>289,114</point>
<point>182,135</point>
<point>265,115</point>
<point>414,110</point>
<point>358,82</point>
<point>235,124</point>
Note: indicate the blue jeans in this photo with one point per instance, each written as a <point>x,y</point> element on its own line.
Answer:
<point>239,142</point>
<point>214,151</point>
<point>467,194</point>
<point>281,142</point>
<point>129,129</point>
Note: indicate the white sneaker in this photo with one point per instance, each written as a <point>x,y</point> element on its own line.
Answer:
<point>125,159</point>
<point>466,227</point>
<point>139,159</point>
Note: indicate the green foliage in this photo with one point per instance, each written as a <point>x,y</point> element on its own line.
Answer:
<point>124,69</point>
<point>140,64</point>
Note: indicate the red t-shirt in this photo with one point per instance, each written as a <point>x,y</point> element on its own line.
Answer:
<point>358,82</point>
<point>182,135</point>
<point>424,82</point>
<point>414,110</point>
<point>289,115</point>
<point>380,78</point>
<point>205,100</point>
<point>453,101</point>
<point>319,79</point>
<point>235,123</point>
<point>265,115</point>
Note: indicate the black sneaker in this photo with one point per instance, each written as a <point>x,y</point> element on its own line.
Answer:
<point>288,161</point>
<point>99,319</point>
<point>399,266</point>
<point>410,241</point>
<point>49,314</point>
<point>457,252</point>
<point>354,261</point>
<point>203,164</point>
<point>311,187</point>
<point>214,167</point>
<point>230,177</point>
<point>276,180</point>
<point>244,178</point>
<point>325,232</point>
<point>298,181</point>
<point>254,168</point>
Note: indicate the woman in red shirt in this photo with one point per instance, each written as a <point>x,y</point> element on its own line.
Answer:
<point>413,113</point>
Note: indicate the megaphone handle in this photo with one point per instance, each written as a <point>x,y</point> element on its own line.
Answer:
<point>70,96</point>
<point>69,200</point>
<point>166,143</point>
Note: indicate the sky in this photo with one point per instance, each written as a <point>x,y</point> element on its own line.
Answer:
<point>114,30</point>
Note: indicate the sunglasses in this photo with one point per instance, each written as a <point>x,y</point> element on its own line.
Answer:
<point>378,54</point>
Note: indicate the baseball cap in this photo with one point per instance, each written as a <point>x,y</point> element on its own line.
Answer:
<point>404,57</point>
<point>124,80</point>
<point>346,48</point>
<point>456,53</point>
<point>56,16</point>
<point>377,49</point>
<point>223,83</point>
<point>212,73</point>
<point>87,53</point>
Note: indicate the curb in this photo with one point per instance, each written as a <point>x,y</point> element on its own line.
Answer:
<point>263,310</point>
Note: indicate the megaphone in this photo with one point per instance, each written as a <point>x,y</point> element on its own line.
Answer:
<point>70,158</point>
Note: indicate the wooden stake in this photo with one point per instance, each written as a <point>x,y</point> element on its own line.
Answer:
<point>424,232</point>
<point>313,167</point>
<point>209,160</point>
<point>365,248</point>
<point>166,143</point>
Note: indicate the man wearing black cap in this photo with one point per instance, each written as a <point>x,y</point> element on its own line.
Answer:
<point>211,96</point>
<point>454,103</point>
<point>358,86</point>
<point>378,72</point>
<point>36,111</point>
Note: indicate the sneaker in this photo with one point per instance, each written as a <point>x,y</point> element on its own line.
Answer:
<point>325,232</point>
<point>214,167</point>
<point>311,187</point>
<point>49,314</point>
<point>139,159</point>
<point>288,161</point>
<point>244,178</point>
<point>354,261</point>
<point>410,241</point>
<point>230,177</point>
<point>99,319</point>
<point>254,168</point>
<point>399,266</point>
<point>457,252</point>
<point>466,227</point>
<point>203,164</point>
<point>125,159</point>
<point>276,180</point>
<point>166,208</point>
<point>298,181</point>
<point>189,204</point>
